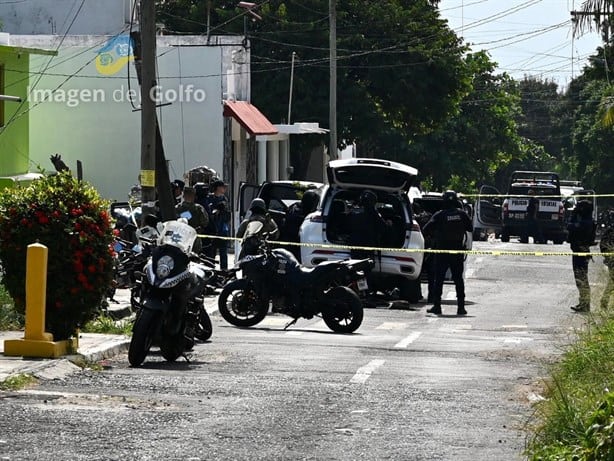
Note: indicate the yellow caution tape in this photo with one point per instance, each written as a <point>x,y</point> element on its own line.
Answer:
<point>422,250</point>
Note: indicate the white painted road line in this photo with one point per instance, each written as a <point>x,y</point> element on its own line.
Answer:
<point>365,372</point>
<point>407,341</point>
<point>450,295</point>
<point>392,326</point>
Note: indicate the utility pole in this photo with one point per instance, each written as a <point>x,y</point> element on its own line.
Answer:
<point>148,106</point>
<point>603,25</point>
<point>332,149</point>
<point>209,21</point>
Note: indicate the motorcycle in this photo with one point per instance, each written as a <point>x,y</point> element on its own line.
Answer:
<point>275,276</point>
<point>171,306</point>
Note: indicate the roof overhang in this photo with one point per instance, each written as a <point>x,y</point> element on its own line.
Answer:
<point>284,131</point>
<point>24,50</point>
<point>249,117</point>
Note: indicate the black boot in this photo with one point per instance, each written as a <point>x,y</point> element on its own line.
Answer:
<point>436,309</point>
<point>461,307</point>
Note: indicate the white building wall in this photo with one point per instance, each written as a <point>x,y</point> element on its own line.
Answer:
<point>95,17</point>
<point>90,117</point>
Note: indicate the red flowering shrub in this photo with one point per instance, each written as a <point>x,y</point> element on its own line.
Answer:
<point>71,219</point>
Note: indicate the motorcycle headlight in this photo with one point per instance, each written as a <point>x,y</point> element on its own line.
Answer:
<point>165,266</point>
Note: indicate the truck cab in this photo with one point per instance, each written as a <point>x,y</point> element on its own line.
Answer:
<point>551,211</point>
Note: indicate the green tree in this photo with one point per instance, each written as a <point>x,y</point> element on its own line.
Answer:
<point>540,118</point>
<point>595,15</point>
<point>400,67</point>
<point>481,143</point>
<point>591,157</point>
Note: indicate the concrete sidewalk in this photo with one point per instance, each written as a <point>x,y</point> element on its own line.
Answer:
<point>93,347</point>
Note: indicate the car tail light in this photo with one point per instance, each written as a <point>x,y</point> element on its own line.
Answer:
<point>405,259</point>
<point>415,227</point>
<point>316,218</point>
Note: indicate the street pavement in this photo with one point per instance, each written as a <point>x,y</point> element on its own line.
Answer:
<point>406,386</point>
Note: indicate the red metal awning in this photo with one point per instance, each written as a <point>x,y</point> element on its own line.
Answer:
<point>249,117</point>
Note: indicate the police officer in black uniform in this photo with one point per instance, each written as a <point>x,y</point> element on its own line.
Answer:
<point>581,235</point>
<point>448,228</point>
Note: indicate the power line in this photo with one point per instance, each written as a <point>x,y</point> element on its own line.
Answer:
<point>25,100</point>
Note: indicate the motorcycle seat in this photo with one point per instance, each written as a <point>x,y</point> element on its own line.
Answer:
<point>322,267</point>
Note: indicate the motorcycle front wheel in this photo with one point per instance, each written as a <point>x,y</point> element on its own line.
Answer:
<point>173,347</point>
<point>240,305</point>
<point>142,336</point>
<point>204,328</point>
<point>343,312</point>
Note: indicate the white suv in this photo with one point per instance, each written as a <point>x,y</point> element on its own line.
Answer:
<point>330,224</point>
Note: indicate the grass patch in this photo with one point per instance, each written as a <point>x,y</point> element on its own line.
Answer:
<point>105,324</point>
<point>83,363</point>
<point>9,318</point>
<point>576,421</point>
<point>17,382</point>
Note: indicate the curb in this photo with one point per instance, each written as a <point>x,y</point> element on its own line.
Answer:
<point>62,367</point>
<point>120,312</point>
<point>104,351</point>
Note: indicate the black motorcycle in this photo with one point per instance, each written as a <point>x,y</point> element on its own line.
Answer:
<point>276,276</point>
<point>171,312</point>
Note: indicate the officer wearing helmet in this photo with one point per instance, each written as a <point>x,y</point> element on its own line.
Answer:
<point>258,213</point>
<point>448,229</point>
<point>581,230</point>
<point>295,216</point>
<point>368,226</point>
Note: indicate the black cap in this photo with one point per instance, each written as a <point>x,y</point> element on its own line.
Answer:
<point>218,183</point>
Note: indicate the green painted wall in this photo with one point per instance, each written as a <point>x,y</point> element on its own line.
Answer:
<point>14,136</point>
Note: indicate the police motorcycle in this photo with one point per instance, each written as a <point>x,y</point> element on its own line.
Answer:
<point>171,310</point>
<point>275,276</point>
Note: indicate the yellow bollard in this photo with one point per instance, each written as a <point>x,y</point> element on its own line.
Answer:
<point>37,342</point>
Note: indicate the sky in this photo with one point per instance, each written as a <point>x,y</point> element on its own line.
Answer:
<point>525,37</point>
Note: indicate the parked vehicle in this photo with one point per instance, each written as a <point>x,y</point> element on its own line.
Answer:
<point>278,196</point>
<point>513,219</point>
<point>330,224</point>
<point>551,212</point>
<point>572,192</point>
<point>275,276</point>
<point>487,214</point>
<point>171,303</point>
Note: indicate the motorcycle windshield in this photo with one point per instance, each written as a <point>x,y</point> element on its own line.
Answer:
<point>178,234</point>
<point>253,228</point>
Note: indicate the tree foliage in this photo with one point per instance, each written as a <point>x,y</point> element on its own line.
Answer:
<point>400,67</point>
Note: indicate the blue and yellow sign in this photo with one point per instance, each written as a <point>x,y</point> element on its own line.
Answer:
<point>114,56</point>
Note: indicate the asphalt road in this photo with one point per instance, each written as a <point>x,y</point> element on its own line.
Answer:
<point>407,386</point>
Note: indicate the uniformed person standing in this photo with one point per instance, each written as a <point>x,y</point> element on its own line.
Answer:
<point>448,228</point>
<point>195,214</point>
<point>581,236</point>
